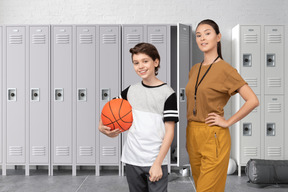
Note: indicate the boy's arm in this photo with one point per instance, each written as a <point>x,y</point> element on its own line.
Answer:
<point>156,170</point>
<point>106,130</point>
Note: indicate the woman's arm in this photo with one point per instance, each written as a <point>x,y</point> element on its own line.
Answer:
<point>251,101</point>
<point>156,170</point>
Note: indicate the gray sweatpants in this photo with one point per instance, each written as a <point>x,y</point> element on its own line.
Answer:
<point>138,179</point>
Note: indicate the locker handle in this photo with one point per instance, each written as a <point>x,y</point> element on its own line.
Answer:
<point>59,94</point>
<point>12,94</point>
<point>182,94</point>
<point>82,94</point>
<point>35,93</point>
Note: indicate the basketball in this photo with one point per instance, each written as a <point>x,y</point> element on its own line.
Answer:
<point>117,114</point>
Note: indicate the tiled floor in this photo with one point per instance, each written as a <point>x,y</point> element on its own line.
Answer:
<point>86,181</point>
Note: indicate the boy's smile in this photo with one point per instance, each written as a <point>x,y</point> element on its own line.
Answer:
<point>144,66</point>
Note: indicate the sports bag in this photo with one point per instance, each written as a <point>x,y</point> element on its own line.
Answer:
<point>261,171</point>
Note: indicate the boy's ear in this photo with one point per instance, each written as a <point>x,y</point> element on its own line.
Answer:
<point>156,62</point>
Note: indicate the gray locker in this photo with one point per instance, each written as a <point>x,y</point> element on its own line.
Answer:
<point>247,54</point>
<point>274,127</point>
<point>158,35</point>
<point>39,95</point>
<point>14,110</point>
<point>61,95</point>
<point>184,45</point>
<point>109,83</point>
<point>86,95</point>
<point>250,135</point>
<point>274,59</point>
<point>1,108</point>
<point>131,36</point>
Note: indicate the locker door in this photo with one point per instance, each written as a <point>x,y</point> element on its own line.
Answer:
<point>250,57</point>
<point>274,127</point>
<point>1,98</point>
<point>159,36</point>
<point>132,35</point>
<point>109,79</point>
<point>250,135</point>
<point>15,83</point>
<point>39,93</point>
<point>62,94</point>
<point>183,61</point>
<point>274,59</point>
<point>86,94</point>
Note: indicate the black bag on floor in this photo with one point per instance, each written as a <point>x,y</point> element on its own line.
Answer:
<point>261,171</point>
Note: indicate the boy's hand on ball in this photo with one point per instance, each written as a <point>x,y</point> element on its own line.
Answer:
<point>107,130</point>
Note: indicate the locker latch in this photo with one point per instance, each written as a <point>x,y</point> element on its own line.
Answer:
<point>59,94</point>
<point>247,129</point>
<point>270,60</point>
<point>82,95</point>
<point>35,95</point>
<point>247,60</point>
<point>270,129</point>
<point>12,94</point>
<point>105,94</point>
<point>182,95</point>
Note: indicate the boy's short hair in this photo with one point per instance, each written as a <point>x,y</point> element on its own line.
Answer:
<point>147,49</point>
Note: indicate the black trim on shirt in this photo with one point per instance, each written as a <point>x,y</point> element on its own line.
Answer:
<point>152,86</point>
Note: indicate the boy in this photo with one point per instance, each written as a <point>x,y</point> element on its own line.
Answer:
<point>154,107</point>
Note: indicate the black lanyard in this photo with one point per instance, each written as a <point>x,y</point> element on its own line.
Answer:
<point>197,84</point>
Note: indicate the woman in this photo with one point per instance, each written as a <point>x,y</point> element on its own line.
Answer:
<point>211,83</point>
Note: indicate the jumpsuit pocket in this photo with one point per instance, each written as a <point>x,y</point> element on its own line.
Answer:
<point>216,144</point>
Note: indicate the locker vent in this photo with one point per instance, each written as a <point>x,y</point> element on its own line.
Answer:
<point>157,38</point>
<point>15,151</point>
<point>250,151</point>
<point>274,82</point>
<point>274,108</point>
<point>62,39</point>
<point>109,39</point>
<point>274,151</point>
<point>38,151</point>
<point>274,38</point>
<point>133,38</point>
<point>252,82</point>
<point>184,39</point>
<point>86,151</point>
<point>15,39</point>
<point>250,38</point>
<point>38,39</point>
<point>108,151</point>
<point>86,39</point>
<point>62,151</point>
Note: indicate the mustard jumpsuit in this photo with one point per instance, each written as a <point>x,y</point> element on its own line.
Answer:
<point>209,146</point>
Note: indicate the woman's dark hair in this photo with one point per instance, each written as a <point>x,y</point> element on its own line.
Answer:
<point>149,50</point>
<point>214,25</point>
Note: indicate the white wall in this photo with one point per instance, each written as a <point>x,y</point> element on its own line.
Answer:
<point>227,13</point>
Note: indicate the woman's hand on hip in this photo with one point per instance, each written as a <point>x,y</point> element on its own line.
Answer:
<point>215,119</point>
